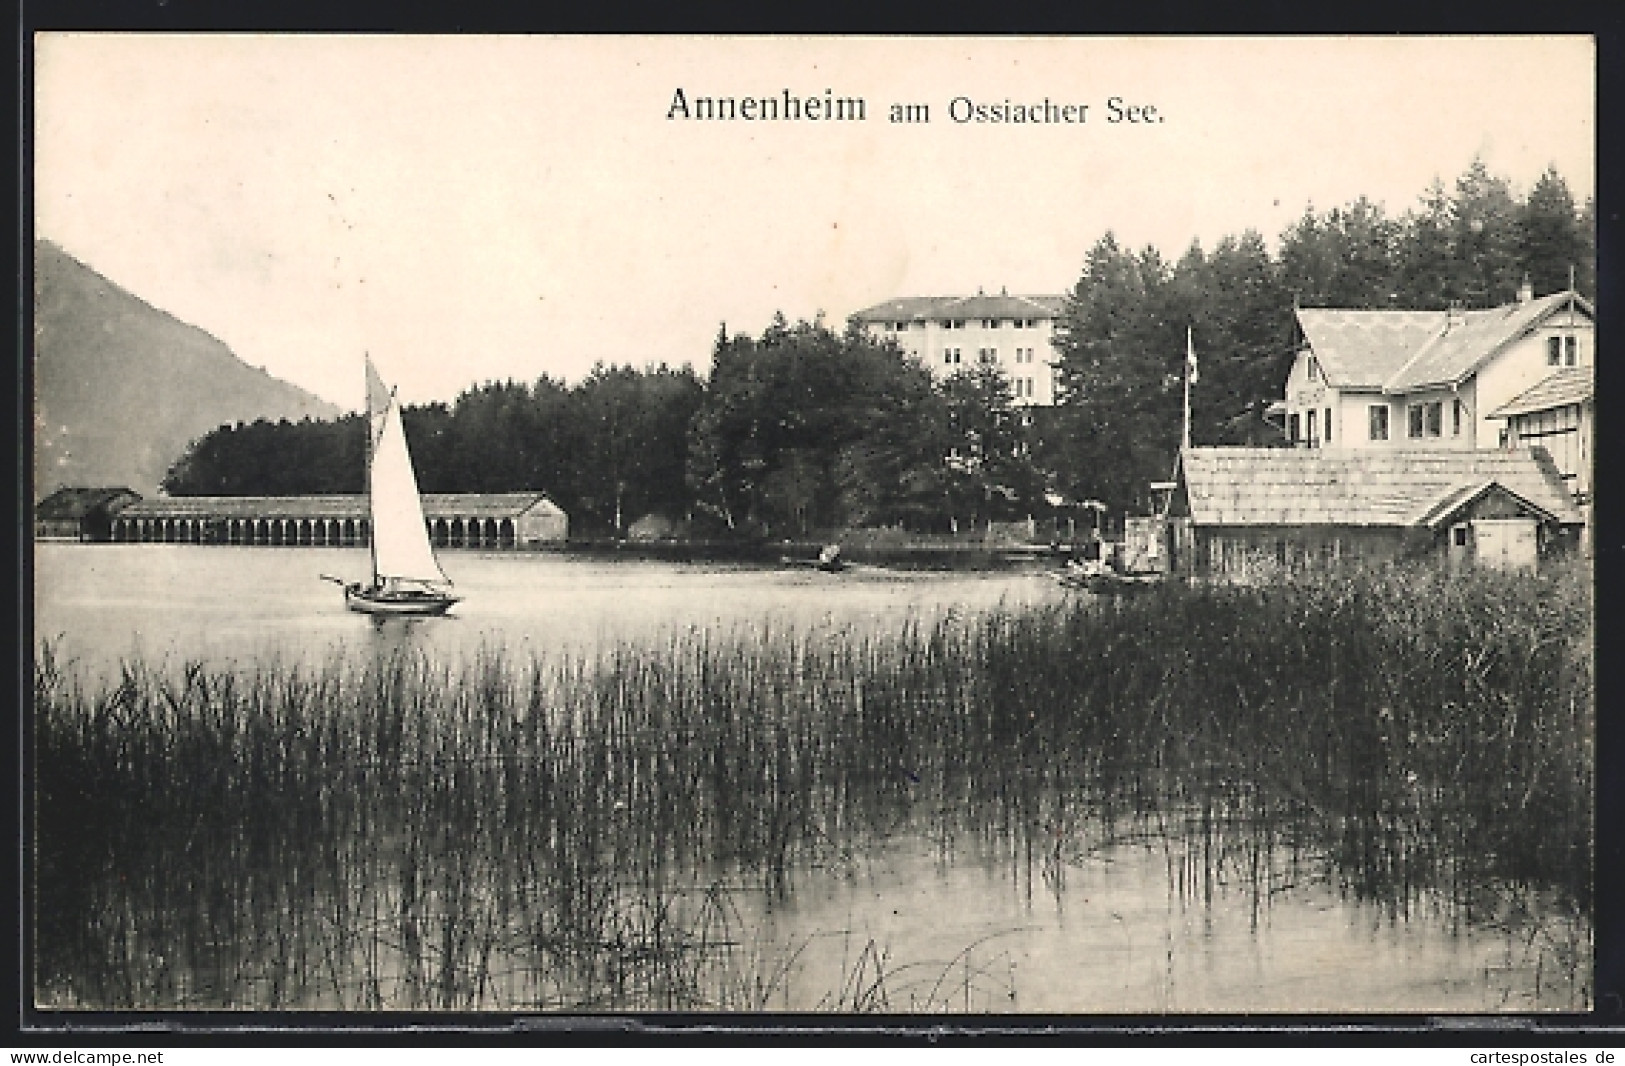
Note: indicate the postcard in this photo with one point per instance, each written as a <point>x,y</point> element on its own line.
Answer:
<point>580,526</point>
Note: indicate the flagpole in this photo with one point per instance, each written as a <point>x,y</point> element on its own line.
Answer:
<point>1190,350</point>
<point>1185,426</point>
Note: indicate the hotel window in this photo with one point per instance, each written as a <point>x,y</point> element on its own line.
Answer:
<point>1554,351</point>
<point>950,355</point>
<point>1413,420</point>
<point>1328,425</point>
<point>1379,421</point>
<point>1571,350</point>
<point>1311,368</point>
<point>1435,418</point>
<point>1292,427</point>
<point>1455,418</point>
<point>1311,427</point>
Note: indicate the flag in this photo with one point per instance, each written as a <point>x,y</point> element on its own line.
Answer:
<point>378,397</point>
<point>1190,357</point>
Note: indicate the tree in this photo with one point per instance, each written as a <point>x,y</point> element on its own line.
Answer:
<point>1121,343</point>
<point>1344,258</point>
<point>801,428</point>
<point>1550,236</point>
<point>992,472</point>
<point>1486,239</point>
<point>1427,271</point>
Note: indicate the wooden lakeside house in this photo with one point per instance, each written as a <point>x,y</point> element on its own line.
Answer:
<point>505,520</point>
<point>1242,513</point>
<point>85,514</point>
<point>1390,381</point>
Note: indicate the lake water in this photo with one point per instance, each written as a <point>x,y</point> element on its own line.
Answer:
<point>176,602</point>
<point>902,927</point>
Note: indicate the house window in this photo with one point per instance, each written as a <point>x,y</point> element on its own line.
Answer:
<point>1312,369</point>
<point>1413,420</point>
<point>1571,350</point>
<point>1554,351</point>
<point>1455,418</point>
<point>1435,419</point>
<point>1459,535</point>
<point>1328,425</point>
<point>1379,421</point>
<point>1313,433</point>
<point>950,355</point>
<point>985,356</point>
<point>1292,427</point>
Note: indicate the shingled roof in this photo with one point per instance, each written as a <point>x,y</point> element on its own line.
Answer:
<point>1402,351</point>
<point>1570,385</point>
<point>1356,487</point>
<point>919,308</point>
<point>1363,349</point>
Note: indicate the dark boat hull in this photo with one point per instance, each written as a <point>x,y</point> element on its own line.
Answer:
<point>1109,581</point>
<point>406,604</point>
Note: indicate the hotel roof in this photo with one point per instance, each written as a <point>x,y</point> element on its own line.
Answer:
<point>931,308</point>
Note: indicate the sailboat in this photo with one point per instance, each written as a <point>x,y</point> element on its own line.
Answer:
<point>406,577</point>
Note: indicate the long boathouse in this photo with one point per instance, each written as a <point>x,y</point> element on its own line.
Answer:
<point>455,520</point>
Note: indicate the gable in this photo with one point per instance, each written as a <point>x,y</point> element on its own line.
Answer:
<point>1487,499</point>
<point>1362,349</point>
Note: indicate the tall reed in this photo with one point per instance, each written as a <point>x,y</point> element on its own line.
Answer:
<point>400,833</point>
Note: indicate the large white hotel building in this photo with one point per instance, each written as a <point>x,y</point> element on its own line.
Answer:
<point>953,333</point>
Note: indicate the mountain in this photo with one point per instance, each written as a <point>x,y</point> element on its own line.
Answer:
<point>122,388</point>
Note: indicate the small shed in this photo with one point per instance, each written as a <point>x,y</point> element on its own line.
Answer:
<point>542,522</point>
<point>1241,511</point>
<point>84,514</point>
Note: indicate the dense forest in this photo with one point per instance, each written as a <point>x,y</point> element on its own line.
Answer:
<point>805,429</point>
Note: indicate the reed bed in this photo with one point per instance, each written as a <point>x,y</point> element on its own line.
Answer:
<point>574,834</point>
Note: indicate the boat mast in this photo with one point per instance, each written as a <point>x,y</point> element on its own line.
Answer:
<point>374,385</point>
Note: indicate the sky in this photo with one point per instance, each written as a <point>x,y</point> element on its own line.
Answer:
<point>471,209</point>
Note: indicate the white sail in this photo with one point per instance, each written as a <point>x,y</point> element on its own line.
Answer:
<point>400,540</point>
